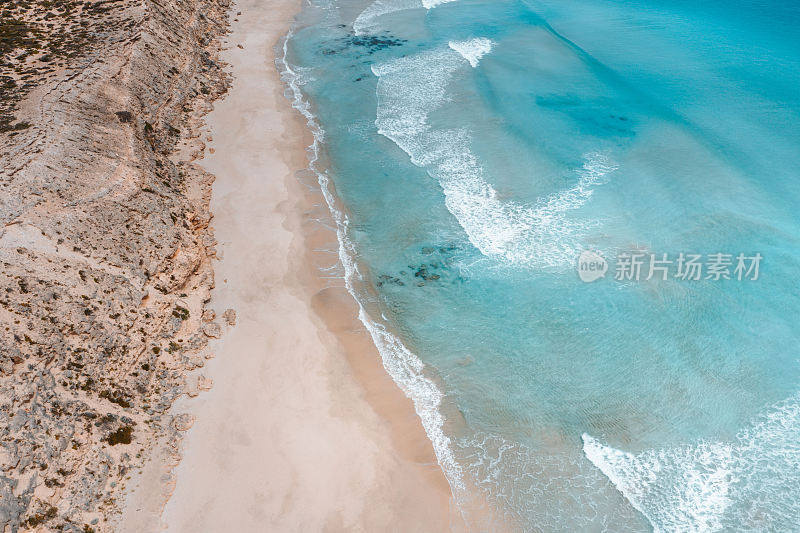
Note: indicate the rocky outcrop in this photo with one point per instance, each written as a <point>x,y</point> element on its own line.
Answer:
<point>105,247</point>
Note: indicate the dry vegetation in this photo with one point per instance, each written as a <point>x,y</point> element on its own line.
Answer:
<point>104,244</point>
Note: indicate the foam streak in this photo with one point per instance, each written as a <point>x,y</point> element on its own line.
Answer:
<point>405,368</point>
<point>540,235</point>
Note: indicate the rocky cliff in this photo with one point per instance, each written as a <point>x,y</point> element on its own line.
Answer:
<point>104,244</point>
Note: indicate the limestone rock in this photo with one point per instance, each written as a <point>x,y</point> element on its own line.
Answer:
<point>230,317</point>
<point>104,223</point>
<point>213,330</point>
<point>191,390</point>
<point>183,422</point>
<point>204,383</point>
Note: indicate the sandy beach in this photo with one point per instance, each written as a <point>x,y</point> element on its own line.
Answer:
<point>302,429</point>
<point>393,266</point>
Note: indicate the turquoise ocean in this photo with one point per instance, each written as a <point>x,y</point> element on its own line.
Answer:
<point>471,150</point>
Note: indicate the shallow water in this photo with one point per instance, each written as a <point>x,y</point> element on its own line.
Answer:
<point>477,148</point>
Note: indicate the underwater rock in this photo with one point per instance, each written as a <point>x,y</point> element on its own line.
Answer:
<point>372,43</point>
<point>384,279</point>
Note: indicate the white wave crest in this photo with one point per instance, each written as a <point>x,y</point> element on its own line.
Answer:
<point>368,20</point>
<point>409,88</point>
<point>405,368</point>
<point>544,489</point>
<point>749,484</point>
<point>473,49</point>
<point>430,4</point>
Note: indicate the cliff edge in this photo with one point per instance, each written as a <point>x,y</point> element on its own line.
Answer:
<point>105,244</point>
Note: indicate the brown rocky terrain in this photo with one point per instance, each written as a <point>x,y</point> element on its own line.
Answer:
<point>105,247</point>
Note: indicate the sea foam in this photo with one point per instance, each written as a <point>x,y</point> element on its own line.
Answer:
<point>539,235</point>
<point>555,489</point>
<point>430,4</point>
<point>473,49</point>
<point>405,368</point>
<point>750,483</point>
<point>367,21</point>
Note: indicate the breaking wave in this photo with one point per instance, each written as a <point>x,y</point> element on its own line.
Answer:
<point>539,235</point>
<point>555,490</point>
<point>473,49</point>
<point>749,484</point>
<point>405,368</point>
<point>367,21</point>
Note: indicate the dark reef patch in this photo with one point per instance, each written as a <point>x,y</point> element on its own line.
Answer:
<point>434,268</point>
<point>368,43</point>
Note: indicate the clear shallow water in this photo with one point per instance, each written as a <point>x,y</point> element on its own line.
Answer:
<point>476,148</point>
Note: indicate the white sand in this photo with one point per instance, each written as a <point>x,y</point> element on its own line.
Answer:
<point>302,430</point>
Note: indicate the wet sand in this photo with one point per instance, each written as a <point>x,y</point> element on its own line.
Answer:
<point>303,429</point>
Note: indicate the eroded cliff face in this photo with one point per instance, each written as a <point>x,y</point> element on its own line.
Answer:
<point>105,247</point>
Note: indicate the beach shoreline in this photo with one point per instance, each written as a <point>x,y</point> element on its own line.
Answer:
<point>303,428</point>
